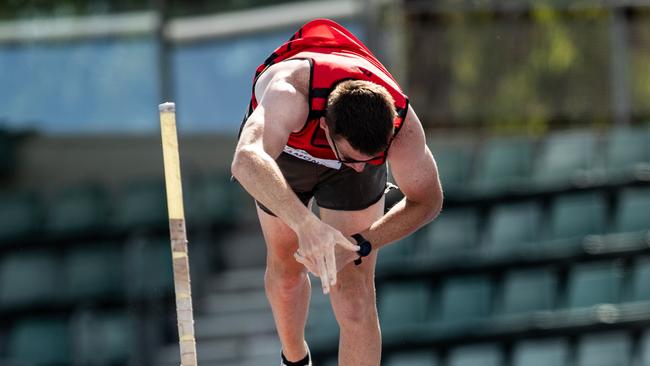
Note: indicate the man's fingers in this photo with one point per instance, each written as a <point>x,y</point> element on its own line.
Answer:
<point>330,263</point>
<point>345,243</point>
<point>324,277</point>
<point>306,262</point>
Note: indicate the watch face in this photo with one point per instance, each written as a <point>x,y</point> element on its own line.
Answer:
<point>365,248</point>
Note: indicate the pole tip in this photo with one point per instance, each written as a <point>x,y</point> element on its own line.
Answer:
<point>167,107</point>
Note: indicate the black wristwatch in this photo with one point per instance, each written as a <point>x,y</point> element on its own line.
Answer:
<point>364,247</point>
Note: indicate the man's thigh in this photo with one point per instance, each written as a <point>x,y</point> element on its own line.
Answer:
<point>352,278</point>
<point>281,242</point>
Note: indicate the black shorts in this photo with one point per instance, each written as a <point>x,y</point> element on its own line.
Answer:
<point>343,189</point>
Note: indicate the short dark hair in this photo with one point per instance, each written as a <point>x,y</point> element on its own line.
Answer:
<point>362,112</point>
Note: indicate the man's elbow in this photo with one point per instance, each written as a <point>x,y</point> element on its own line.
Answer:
<point>435,205</point>
<point>240,161</point>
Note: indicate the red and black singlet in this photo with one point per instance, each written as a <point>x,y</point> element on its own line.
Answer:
<point>335,55</point>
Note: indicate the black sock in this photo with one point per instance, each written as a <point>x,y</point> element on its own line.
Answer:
<point>303,362</point>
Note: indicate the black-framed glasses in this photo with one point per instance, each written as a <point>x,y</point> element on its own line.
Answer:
<point>352,161</point>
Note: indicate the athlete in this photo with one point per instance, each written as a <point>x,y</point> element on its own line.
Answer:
<point>324,119</point>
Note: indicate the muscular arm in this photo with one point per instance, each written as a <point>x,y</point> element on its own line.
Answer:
<point>415,172</point>
<point>283,108</point>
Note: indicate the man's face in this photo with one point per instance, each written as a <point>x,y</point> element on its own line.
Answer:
<point>345,153</point>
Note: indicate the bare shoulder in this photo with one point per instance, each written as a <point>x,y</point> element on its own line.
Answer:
<point>282,93</point>
<point>411,162</point>
<point>410,138</point>
<point>293,72</point>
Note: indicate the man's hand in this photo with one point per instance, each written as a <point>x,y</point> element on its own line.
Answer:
<point>344,257</point>
<point>317,247</point>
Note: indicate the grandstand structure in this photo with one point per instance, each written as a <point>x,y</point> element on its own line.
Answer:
<point>541,255</point>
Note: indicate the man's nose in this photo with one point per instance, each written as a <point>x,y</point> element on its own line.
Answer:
<point>358,167</point>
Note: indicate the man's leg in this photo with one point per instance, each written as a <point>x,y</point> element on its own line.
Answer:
<point>353,298</point>
<point>287,285</point>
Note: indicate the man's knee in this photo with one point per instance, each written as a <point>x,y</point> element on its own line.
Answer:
<point>356,307</point>
<point>285,278</point>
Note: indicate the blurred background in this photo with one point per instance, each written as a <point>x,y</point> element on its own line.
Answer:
<point>537,112</point>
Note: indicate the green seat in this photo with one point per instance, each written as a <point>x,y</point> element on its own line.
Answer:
<point>40,341</point>
<point>626,149</point>
<point>594,283</point>
<point>465,299</point>
<point>644,348</point>
<point>604,349</point>
<point>578,215</point>
<point>400,250</point>
<point>29,278</point>
<point>21,216</point>
<point>403,303</point>
<point>94,271</point>
<point>453,233</point>
<point>641,280</point>
<point>503,163</point>
<point>633,208</point>
<point>151,269</point>
<point>415,358</point>
<point>563,156</point>
<point>141,206</point>
<point>541,353</point>
<point>513,230</point>
<point>78,211</point>
<point>454,167</point>
<point>476,355</point>
<point>106,338</point>
<point>528,290</point>
<point>393,258</point>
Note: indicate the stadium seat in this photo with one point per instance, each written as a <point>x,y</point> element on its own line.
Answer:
<point>465,299</point>
<point>476,355</point>
<point>627,148</point>
<point>415,358</point>
<point>78,211</point>
<point>643,356</point>
<point>150,269</point>
<point>502,164</point>
<point>454,233</point>
<point>641,280</point>
<point>401,303</point>
<point>563,156</point>
<point>572,218</point>
<point>544,352</point>
<point>29,278</point>
<point>95,271</point>
<point>578,215</point>
<point>513,230</point>
<point>528,290</point>
<point>141,206</point>
<point>594,283</point>
<point>604,349</point>
<point>633,208</point>
<point>40,342</point>
<point>105,339</point>
<point>454,167</point>
<point>21,216</point>
<point>398,251</point>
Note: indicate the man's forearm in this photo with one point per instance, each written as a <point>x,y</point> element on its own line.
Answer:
<point>403,219</point>
<point>260,175</point>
